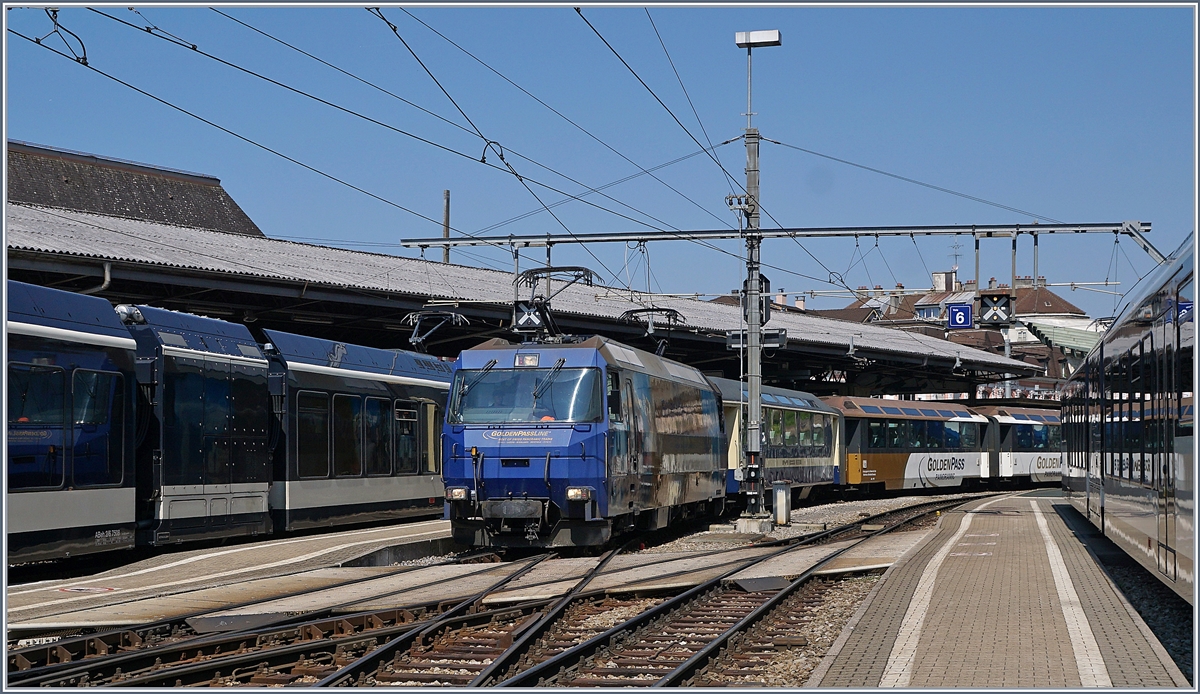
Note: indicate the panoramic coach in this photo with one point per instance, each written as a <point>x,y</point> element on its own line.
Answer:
<point>800,437</point>
<point>568,444</point>
<point>70,426</point>
<point>1128,427</point>
<point>360,432</point>
<point>906,444</point>
<point>1024,444</point>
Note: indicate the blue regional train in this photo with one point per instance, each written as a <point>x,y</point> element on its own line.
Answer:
<point>143,426</point>
<point>1129,427</point>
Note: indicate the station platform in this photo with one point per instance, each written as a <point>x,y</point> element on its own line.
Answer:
<point>218,576</point>
<point>1004,593</point>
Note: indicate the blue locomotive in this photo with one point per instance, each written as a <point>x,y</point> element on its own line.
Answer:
<point>568,444</point>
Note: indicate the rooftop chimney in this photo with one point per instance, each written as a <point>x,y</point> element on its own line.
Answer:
<point>992,283</point>
<point>800,302</point>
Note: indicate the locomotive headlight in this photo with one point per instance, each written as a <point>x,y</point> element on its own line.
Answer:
<point>579,493</point>
<point>457,493</point>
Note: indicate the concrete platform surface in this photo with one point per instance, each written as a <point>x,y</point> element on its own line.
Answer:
<point>1002,594</point>
<point>178,572</point>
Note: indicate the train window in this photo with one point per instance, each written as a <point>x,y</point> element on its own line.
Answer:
<point>407,440</point>
<point>377,437</point>
<point>877,435</point>
<point>951,435</point>
<point>935,434</point>
<point>819,440</point>
<point>791,430</point>
<point>774,426</point>
<point>98,414</point>
<point>916,434</point>
<point>347,436</point>
<point>613,396</point>
<point>969,435</point>
<point>312,434</point>
<point>36,404</point>
<point>897,434</point>
<point>804,421</point>
<point>431,443</point>
<point>183,425</point>
<point>1023,436</point>
<point>1184,354</point>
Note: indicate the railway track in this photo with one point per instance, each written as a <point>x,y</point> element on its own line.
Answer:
<point>670,645</point>
<point>97,657</point>
<point>561,641</point>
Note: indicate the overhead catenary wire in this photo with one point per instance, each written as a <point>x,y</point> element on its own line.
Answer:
<point>378,122</point>
<point>444,120</point>
<point>488,143</point>
<point>247,140</point>
<point>913,181</point>
<point>678,78</point>
<point>558,113</point>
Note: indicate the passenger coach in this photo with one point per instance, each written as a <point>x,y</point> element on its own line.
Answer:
<point>1024,444</point>
<point>70,426</point>
<point>569,444</point>
<point>360,432</point>
<point>1128,425</point>
<point>905,444</point>
<point>800,437</point>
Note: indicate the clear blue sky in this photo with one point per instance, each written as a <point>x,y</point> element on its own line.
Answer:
<point>1077,114</point>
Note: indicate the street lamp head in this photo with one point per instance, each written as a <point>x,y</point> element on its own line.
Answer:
<point>758,39</point>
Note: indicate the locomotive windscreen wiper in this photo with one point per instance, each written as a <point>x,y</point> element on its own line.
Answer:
<point>482,372</point>
<point>540,389</point>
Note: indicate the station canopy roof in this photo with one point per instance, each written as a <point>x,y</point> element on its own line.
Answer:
<point>352,295</point>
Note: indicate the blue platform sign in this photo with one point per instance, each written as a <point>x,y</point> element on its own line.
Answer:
<point>960,316</point>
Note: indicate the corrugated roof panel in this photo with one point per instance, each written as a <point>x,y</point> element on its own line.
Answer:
<point>112,238</point>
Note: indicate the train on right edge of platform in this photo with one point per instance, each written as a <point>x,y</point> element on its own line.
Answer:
<point>1128,427</point>
<point>572,442</point>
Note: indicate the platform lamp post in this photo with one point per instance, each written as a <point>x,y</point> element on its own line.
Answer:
<point>752,296</point>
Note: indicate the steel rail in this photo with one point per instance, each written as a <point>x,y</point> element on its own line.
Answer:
<point>535,675</point>
<point>35,660</point>
<point>267,659</point>
<point>689,667</point>
<point>214,642</point>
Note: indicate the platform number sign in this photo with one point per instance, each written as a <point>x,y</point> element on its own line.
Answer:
<point>995,309</point>
<point>526,317</point>
<point>1185,312</point>
<point>960,316</point>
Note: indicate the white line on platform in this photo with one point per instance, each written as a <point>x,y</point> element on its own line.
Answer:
<point>1092,670</point>
<point>246,569</point>
<point>201,557</point>
<point>898,671</point>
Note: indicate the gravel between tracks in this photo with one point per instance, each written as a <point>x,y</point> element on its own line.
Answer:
<point>791,666</point>
<point>804,519</point>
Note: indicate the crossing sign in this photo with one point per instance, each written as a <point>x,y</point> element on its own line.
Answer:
<point>995,309</point>
<point>527,317</point>
<point>960,316</point>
